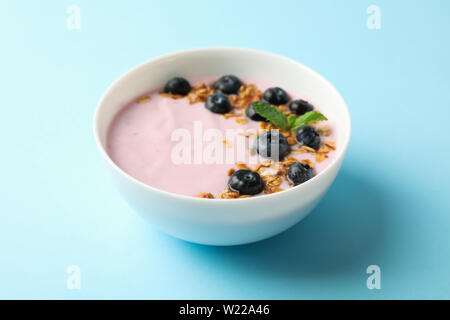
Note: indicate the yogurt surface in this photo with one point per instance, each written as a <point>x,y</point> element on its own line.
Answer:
<point>149,139</point>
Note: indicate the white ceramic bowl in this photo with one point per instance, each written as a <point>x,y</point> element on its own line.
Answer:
<point>218,221</point>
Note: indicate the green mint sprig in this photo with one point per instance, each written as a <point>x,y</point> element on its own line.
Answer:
<point>307,118</point>
<point>278,118</point>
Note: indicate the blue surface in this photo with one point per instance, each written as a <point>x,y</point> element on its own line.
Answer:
<point>389,205</point>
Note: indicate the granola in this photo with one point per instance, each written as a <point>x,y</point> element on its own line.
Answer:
<point>199,93</point>
<point>205,195</point>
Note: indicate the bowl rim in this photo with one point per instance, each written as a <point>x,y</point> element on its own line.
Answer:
<point>337,159</point>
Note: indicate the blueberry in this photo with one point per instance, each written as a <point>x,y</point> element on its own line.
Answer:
<point>299,173</point>
<point>228,84</point>
<point>246,182</point>
<point>300,107</point>
<point>218,103</point>
<point>251,113</point>
<point>276,96</point>
<point>272,144</point>
<point>177,85</point>
<point>308,136</point>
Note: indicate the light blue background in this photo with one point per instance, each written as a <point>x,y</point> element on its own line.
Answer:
<point>389,205</point>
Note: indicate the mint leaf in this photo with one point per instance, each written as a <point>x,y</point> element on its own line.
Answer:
<point>278,118</point>
<point>271,113</point>
<point>291,120</point>
<point>307,118</point>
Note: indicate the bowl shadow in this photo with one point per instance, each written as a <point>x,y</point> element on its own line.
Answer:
<point>346,232</point>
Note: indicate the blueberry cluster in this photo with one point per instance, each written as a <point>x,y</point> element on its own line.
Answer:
<point>270,144</point>
<point>305,135</point>
<point>218,102</point>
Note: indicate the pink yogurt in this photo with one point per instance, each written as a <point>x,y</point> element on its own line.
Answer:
<point>144,140</point>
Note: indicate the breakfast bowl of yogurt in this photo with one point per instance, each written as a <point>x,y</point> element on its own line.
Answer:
<point>222,146</point>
